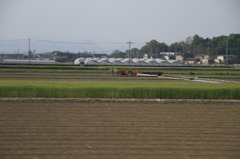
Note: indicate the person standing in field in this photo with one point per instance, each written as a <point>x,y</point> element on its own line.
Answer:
<point>112,71</point>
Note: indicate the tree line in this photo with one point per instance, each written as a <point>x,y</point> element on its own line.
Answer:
<point>193,45</point>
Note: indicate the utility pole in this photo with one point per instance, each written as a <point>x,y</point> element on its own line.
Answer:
<point>227,51</point>
<point>194,53</point>
<point>29,50</point>
<point>156,52</point>
<point>129,45</point>
<point>18,50</point>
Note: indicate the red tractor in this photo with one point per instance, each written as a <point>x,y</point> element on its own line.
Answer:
<point>128,73</point>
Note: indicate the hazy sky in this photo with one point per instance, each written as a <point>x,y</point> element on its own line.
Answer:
<point>118,20</point>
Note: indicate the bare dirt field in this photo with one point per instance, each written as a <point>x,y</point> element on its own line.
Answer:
<point>119,130</point>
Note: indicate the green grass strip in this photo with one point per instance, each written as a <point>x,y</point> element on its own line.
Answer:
<point>119,89</point>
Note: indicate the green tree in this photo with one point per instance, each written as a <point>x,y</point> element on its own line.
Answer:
<point>118,54</point>
<point>176,47</point>
<point>154,47</point>
<point>198,45</point>
<point>234,46</point>
<point>134,52</point>
<point>219,45</point>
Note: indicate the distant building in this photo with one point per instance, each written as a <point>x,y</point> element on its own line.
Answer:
<point>190,61</point>
<point>45,56</point>
<point>84,55</point>
<point>167,53</point>
<point>150,56</point>
<point>218,59</point>
<point>14,56</point>
<point>145,56</point>
<point>63,56</point>
<point>88,55</point>
<point>201,59</point>
<point>166,57</point>
<point>221,59</point>
<point>179,58</point>
<point>100,55</point>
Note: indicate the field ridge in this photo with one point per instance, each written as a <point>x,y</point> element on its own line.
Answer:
<point>118,100</point>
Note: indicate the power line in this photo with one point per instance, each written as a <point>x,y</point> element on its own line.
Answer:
<point>69,42</point>
<point>15,40</point>
<point>52,42</point>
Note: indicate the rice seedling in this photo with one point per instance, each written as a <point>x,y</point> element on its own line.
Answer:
<point>119,89</point>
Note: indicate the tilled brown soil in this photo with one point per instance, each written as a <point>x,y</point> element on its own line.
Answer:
<point>119,130</point>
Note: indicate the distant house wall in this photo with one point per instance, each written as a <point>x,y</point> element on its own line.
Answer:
<point>200,57</point>
<point>14,56</point>
<point>221,58</point>
<point>166,57</point>
<point>190,62</point>
<point>205,61</point>
<point>179,58</point>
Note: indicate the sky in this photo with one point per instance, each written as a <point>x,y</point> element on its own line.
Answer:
<point>115,21</point>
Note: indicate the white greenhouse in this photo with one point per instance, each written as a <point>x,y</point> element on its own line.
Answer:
<point>175,62</point>
<point>125,61</point>
<point>151,62</point>
<point>78,61</point>
<point>140,62</point>
<point>90,62</point>
<point>115,61</point>
<point>104,61</point>
<point>162,62</point>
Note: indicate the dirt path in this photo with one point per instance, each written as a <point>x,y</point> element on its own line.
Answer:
<point>112,130</point>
